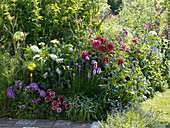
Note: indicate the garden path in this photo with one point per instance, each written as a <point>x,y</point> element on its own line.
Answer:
<point>23,123</point>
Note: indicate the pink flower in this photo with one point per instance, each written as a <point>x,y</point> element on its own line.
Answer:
<point>125,46</point>
<point>105,60</point>
<point>96,43</point>
<point>103,49</point>
<point>84,54</point>
<point>49,90</point>
<point>54,107</point>
<point>135,41</point>
<point>138,50</point>
<point>110,47</point>
<point>112,53</point>
<point>52,94</point>
<point>55,103</point>
<point>98,37</point>
<point>59,110</point>
<point>112,38</point>
<point>67,106</point>
<point>47,99</point>
<point>128,49</point>
<point>120,61</point>
<point>64,102</point>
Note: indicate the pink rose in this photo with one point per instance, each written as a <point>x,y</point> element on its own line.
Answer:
<point>135,41</point>
<point>96,43</point>
<point>105,60</point>
<point>103,49</point>
<point>84,54</point>
<point>110,47</point>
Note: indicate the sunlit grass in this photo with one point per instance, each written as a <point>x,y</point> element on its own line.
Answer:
<point>160,104</point>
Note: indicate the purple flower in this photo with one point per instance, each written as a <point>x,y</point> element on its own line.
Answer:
<point>94,71</point>
<point>68,67</point>
<point>74,74</point>
<point>161,11</point>
<point>98,70</point>
<point>20,106</point>
<point>134,68</point>
<point>79,67</point>
<point>89,75</point>
<point>87,58</point>
<point>42,93</point>
<point>34,85</point>
<point>131,58</point>
<point>95,65</point>
<point>149,25</point>
<point>11,94</point>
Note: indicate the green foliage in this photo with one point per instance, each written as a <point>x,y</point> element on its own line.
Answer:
<point>47,19</point>
<point>115,5</point>
<point>132,119</point>
<point>82,108</point>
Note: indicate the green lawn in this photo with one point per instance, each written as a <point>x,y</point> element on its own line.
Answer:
<point>161,102</point>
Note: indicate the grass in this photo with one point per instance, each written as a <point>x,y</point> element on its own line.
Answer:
<point>160,104</point>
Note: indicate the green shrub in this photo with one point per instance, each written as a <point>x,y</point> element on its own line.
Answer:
<point>115,5</point>
<point>82,108</point>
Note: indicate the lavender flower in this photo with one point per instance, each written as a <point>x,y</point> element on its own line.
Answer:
<point>87,58</point>
<point>98,70</point>
<point>79,67</point>
<point>42,93</point>
<point>89,75</point>
<point>134,68</point>
<point>94,71</point>
<point>131,58</point>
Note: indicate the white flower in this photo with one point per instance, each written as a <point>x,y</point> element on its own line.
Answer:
<point>45,75</point>
<point>70,49</point>
<point>58,71</point>
<point>59,60</point>
<point>41,43</point>
<point>54,41</point>
<point>35,49</point>
<point>53,56</point>
<point>152,33</point>
<point>36,56</point>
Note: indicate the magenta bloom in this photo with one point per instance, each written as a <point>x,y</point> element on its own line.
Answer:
<point>105,60</point>
<point>84,54</point>
<point>54,107</point>
<point>103,49</point>
<point>47,99</point>
<point>128,49</point>
<point>110,47</point>
<point>120,61</point>
<point>135,41</point>
<point>67,106</point>
<point>96,43</point>
<point>55,103</point>
<point>138,50</point>
<point>59,110</point>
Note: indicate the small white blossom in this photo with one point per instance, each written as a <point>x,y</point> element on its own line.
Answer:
<point>45,75</point>
<point>36,56</point>
<point>35,49</point>
<point>54,41</point>
<point>53,56</point>
<point>58,71</point>
<point>41,43</point>
<point>59,60</point>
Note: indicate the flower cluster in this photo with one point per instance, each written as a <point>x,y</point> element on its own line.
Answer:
<point>57,102</point>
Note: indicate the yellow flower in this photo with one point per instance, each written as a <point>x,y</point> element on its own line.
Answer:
<point>31,66</point>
